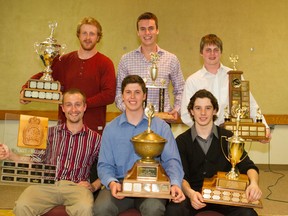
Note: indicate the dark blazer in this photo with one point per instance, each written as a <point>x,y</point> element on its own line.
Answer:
<point>198,166</point>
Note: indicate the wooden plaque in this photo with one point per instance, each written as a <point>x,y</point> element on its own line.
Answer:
<point>223,191</point>
<point>32,132</point>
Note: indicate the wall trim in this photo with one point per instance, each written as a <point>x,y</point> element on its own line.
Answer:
<point>271,119</point>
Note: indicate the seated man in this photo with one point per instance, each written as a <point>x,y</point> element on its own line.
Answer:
<point>72,147</point>
<point>117,155</point>
<point>202,156</point>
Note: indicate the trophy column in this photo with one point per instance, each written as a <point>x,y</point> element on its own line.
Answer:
<point>239,97</point>
<point>161,88</point>
<point>45,89</point>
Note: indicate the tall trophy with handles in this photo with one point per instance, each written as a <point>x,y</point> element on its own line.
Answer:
<point>147,178</point>
<point>46,89</point>
<point>229,188</point>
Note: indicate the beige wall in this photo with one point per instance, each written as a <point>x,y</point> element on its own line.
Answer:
<point>255,30</point>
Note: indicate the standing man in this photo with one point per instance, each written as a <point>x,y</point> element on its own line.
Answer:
<point>139,62</point>
<point>72,147</point>
<point>202,156</point>
<point>214,78</point>
<point>117,155</point>
<point>88,70</point>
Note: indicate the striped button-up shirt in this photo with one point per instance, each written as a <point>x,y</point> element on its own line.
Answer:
<point>169,69</point>
<point>72,154</point>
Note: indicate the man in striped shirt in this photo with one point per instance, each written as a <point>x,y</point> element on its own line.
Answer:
<point>72,147</point>
<point>138,62</point>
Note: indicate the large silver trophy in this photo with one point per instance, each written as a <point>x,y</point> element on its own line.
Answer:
<point>48,50</point>
<point>46,89</point>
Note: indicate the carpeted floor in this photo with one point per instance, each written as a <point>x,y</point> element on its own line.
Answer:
<point>273,182</point>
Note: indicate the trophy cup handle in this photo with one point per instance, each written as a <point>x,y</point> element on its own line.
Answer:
<point>222,137</point>
<point>63,48</point>
<point>222,147</point>
<point>246,152</point>
<point>36,47</point>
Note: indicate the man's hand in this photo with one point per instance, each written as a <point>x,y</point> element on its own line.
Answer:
<point>87,185</point>
<point>253,192</point>
<point>175,116</point>
<point>22,96</point>
<point>196,200</point>
<point>177,194</point>
<point>268,136</point>
<point>4,152</point>
<point>115,187</point>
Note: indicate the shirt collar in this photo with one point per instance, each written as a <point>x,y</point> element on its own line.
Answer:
<point>123,119</point>
<point>194,132</point>
<point>205,72</point>
<point>159,50</point>
<point>63,127</point>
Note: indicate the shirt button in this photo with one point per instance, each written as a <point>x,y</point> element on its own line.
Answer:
<point>204,173</point>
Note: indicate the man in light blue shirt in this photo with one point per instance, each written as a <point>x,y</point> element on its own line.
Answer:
<point>117,155</point>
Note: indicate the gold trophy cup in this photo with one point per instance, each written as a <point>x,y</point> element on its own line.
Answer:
<point>46,89</point>
<point>229,188</point>
<point>147,178</point>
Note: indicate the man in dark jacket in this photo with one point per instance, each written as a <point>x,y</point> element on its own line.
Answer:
<point>202,157</point>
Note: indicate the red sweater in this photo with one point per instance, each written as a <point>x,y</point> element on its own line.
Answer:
<point>94,76</point>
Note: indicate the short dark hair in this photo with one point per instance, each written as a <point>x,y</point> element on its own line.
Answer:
<point>74,91</point>
<point>133,79</point>
<point>203,93</point>
<point>211,39</point>
<point>90,21</point>
<point>147,16</point>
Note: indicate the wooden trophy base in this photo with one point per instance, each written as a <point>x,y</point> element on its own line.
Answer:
<point>42,91</point>
<point>220,190</point>
<point>247,129</point>
<point>147,180</point>
<point>164,115</point>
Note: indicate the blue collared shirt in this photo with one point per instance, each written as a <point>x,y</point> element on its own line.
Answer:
<point>117,155</point>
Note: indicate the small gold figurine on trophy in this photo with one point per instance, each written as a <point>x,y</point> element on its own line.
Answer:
<point>234,60</point>
<point>147,178</point>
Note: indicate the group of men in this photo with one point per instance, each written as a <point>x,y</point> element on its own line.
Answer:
<point>89,84</point>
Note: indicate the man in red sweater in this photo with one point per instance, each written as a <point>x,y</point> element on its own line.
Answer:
<point>88,70</point>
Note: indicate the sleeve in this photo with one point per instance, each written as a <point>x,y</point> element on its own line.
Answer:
<point>253,110</point>
<point>108,86</point>
<point>121,74</point>
<point>180,140</point>
<point>246,164</point>
<point>170,158</point>
<point>188,92</point>
<point>35,76</point>
<point>106,168</point>
<point>178,82</point>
